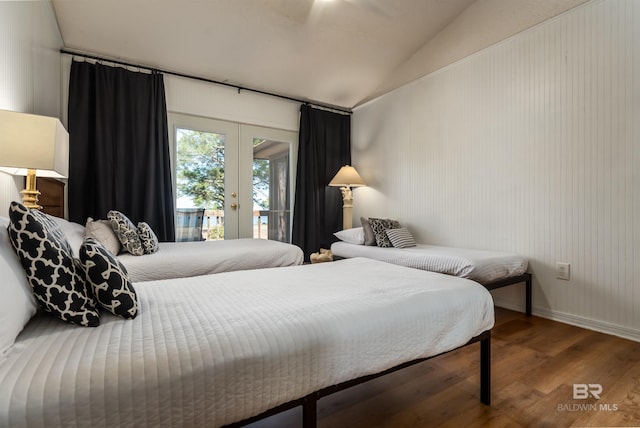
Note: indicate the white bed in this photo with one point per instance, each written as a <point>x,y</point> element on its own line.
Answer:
<point>493,269</point>
<point>214,350</point>
<point>184,259</point>
<point>479,265</point>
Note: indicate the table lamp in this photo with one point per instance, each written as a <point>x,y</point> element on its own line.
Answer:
<point>346,178</point>
<point>33,145</point>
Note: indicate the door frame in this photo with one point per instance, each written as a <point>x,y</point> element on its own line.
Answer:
<point>238,156</point>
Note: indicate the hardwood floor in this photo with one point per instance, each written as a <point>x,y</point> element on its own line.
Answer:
<point>535,363</point>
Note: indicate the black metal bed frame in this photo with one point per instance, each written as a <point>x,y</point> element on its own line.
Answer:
<point>309,402</point>
<point>525,277</point>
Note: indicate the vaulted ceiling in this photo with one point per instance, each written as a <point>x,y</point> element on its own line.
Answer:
<point>335,52</point>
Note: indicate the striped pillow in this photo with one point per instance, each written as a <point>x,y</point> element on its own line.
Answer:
<point>401,238</point>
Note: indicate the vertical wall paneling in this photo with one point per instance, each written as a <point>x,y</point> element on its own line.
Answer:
<point>29,69</point>
<point>531,145</point>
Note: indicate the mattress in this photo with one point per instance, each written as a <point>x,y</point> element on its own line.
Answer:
<point>185,259</point>
<point>479,265</point>
<point>212,350</point>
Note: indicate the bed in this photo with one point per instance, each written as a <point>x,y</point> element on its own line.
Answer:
<point>213,350</point>
<point>492,269</point>
<point>228,348</point>
<point>184,259</point>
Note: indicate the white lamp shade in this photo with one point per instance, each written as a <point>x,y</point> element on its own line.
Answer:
<point>29,141</point>
<point>347,176</point>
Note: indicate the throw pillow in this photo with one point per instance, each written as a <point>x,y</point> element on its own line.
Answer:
<point>369,237</point>
<point>352,236</point>
<point>108,279</point>
<point>52,228</point>
<point>401,238</point>
<point>101,231</point>
<point>54,275</point>
<point>379,227</point>
<point>148,239</point>
<point>17,304</point>
<point>126,232</point>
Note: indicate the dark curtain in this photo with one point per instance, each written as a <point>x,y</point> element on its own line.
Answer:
<point>324,147</point>
<point>119,147</point>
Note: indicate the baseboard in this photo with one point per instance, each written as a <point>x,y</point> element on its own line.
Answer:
<point>589,324</point>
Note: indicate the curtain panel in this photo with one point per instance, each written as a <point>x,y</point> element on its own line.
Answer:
<point>324,147</point>
<point>119,147</point>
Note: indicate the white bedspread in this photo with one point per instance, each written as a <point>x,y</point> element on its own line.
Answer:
<point>480,265</point>
<point>211,350</point>
<point>184,259</point>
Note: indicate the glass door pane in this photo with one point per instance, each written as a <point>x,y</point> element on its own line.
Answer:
<point>271,195</point>
<point>205,161</point>
<point>272,155</point>
<point>199,185</point>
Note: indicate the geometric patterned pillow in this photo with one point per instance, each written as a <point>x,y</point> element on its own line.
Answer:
<point>126,232</point>
<point>380,227</point>
<point>52,227</point>
<point>56,278</point>
<point>401,238</point>
<point>148,239</point>
<point>108,279</point>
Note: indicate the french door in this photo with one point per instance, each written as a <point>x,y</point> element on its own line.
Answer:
<point>231,180</point>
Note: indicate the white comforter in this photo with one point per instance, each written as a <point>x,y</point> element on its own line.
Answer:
<point>211,350</point>
<point>184,259</point>
<point>480,265</point>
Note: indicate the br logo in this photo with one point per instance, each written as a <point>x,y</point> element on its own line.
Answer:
<point>582,391</point>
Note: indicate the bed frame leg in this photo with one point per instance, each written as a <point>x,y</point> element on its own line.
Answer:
<point>309,411</point>
<point>485,370</point>
<point>528,295</point>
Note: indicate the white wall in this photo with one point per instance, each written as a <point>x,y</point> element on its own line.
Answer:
<point>29,69</point>
<point>533,146</point>
<point>198,98</point>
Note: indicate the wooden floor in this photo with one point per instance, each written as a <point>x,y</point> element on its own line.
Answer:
<point>535,363</point>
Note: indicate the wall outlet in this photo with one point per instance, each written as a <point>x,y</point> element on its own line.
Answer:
<point>563,270</point>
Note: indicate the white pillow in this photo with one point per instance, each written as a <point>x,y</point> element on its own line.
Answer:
<point>351,236</point>
<point>17,304</point>
<point>74,233</point>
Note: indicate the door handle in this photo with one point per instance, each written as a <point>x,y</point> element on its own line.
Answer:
<point>234,206</point>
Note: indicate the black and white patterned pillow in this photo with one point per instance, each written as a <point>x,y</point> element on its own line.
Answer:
<point>126,232</point>
<point>56,278</point>
<point>53,228</point>
<point>108,279</point>
<point>379,227</point>
<point>148,239</point>
<point>401,238</point>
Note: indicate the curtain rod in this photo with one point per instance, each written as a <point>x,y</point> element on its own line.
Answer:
<point>204,79</point>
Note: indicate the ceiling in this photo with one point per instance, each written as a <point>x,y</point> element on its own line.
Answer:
<point>334,52</point>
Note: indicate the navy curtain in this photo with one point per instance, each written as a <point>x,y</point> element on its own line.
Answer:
<point>324,147</point>
<point>119,147</point>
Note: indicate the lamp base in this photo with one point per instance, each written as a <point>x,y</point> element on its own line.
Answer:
<point>30,194</point>
<point>347,207</point>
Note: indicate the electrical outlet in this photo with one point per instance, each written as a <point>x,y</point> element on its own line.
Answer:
<point>563,270</point>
